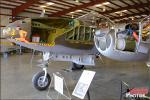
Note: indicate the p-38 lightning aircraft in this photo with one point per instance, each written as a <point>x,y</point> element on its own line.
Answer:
<point>67,39</point>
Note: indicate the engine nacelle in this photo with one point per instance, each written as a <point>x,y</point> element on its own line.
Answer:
<point>106,45</point>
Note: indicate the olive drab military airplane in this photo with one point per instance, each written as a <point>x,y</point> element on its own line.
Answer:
<point>79,40</point>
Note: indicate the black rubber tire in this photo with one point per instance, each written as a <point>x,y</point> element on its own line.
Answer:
<point>76,66</point>
<point>36,78</point>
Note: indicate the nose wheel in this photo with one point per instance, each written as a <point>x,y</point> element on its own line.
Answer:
<point>40,82</point>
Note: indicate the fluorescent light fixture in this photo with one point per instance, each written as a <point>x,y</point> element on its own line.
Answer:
<point>72,16</point>
<point>121,14</point>
<point>78,10</point>
<point>104,9</point>
<point>125,18</point>
<point>132,18</point>
<point>124,10</point>
<point>121,11</point>
<point>76,0</point>
<point>50,3</point>
<point>106,3</point>
<point>42,6</point>
<point>116,20</point>
<point>117,12</point>
<point>137,16</point>
<point>144,15</point>
<point>112,27</point>
<point>71,12</point>
<point>98,5</point>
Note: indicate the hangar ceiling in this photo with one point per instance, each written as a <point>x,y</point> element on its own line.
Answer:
<point>117,10</point>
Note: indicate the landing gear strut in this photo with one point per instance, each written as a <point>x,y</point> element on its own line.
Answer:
<point>41,80</point>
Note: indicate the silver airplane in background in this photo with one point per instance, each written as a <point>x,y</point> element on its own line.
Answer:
<point>67,39</point>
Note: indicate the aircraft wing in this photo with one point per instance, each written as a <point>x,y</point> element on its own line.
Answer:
<point>6,46</point>
<point>57,48</point>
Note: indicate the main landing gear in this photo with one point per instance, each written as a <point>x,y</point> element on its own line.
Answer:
<point>41,80</point>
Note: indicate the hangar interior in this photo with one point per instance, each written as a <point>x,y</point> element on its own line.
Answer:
<point>73,30</point>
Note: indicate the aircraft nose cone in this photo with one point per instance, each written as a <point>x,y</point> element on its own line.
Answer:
<point>8,32</point>
<point>5,32</point>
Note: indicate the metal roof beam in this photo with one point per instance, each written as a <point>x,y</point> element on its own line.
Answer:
<point>127,5</point>
<point>127,8</point>
<point>59,3</point>
<point>92,3</point>
<point>131,15</point>
<point>22,7</point>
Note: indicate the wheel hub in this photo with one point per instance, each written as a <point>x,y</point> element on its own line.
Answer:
<point>41,83</point>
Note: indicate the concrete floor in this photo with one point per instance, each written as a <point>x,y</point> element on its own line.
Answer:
<point>17,72</point>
